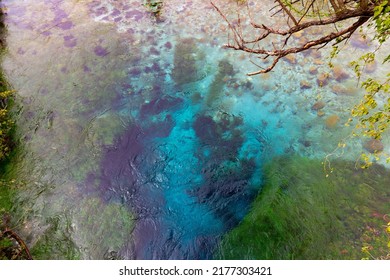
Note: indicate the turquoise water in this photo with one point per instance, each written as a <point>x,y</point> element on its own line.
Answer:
<point>125,114</point>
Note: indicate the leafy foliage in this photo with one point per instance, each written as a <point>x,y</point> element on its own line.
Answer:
<point>6,125</point>
<point>154,6</point>
<point>372,113</point>
<point>382,21</point>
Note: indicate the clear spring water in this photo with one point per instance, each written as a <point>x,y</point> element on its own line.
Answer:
<point>141,137</point>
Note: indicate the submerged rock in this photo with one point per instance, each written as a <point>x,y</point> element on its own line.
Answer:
<point>291,58</point>
<point>104,129</point>
<point>370,67</point>
<point>346,89</point>
<point>318,105</point>
<point>332,121</point>
<point>322,79</point>
<point>339,74</point>
<point>313,70</point>
<point>373,145</point>
<point>305,84</point>
<point>359,42</point>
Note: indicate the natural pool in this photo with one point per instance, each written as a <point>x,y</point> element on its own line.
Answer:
<point>141,138</point>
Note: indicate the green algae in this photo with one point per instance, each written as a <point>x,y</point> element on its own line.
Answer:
<point>302,214</point>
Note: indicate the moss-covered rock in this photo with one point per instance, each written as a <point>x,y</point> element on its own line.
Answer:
<point>302,214</point>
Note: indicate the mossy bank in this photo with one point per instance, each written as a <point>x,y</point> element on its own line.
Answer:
<point>9,247</point>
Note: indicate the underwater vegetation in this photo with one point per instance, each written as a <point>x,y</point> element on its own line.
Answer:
<point>301,214</point>
<point>188,62</point>
<point>154,6</point>
<point>225,70</point>
<point>226,177</point>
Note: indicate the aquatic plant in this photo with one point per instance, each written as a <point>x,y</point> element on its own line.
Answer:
<point>225,70</point>
<point>111,228</point>
<point>301,214</point>
<point>188,61</point>
<point>373,242</point>
<point>222,135</point>
<point>154,6</point>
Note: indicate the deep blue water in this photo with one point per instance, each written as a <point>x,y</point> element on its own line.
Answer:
<point>187,175</point>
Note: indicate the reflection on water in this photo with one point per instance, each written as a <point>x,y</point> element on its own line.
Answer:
<point>142,138</point>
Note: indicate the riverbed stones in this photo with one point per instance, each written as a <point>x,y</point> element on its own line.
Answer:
<point>298,34</point>
<point>318,105</point>
<point>332,121</point>
<point>316,54</point>
<point>322,79</point>
<point>339,74</point>
<point>370,67</point>
<point>344,90</point>
<point>305,84</point>
<point>318,62</point>
<point>313,70</point>
<point>373,145</point>
<point>359,42</point>
<point>290,58</point>
<point>320,113</point>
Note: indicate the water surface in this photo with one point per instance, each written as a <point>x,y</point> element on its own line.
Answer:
<point>141,137</point>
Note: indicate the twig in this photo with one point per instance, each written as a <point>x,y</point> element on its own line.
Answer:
<point>19,240</point>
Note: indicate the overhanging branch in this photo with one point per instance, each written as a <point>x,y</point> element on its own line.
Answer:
<point>342,12</point>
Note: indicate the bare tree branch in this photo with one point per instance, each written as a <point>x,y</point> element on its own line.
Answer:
<point>282,53</point>
<point>339,13</point>
<point>290,15</point>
